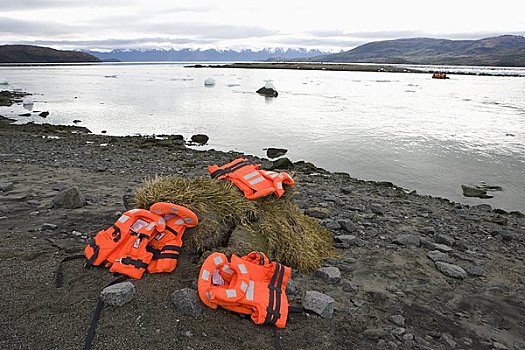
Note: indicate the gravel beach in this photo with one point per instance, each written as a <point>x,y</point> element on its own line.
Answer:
<point>413,272</point>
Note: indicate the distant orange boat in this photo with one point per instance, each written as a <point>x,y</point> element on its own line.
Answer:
<point>439,76</point>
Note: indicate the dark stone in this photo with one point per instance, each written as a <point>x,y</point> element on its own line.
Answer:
<point>275,152</point>
<point>25,115</point>
<point>200,139</point>
<point>70,198</point>
<point>282,163</point>
<point>268,92</point>
<point>76,121</point>
<point>347,225</point>
<point>44,114</point>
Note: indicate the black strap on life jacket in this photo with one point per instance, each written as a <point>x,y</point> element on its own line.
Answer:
<point>261,258</point>
<point>169,229</point>
<point>59,274</point>
<point>139,264</point>
<point>230,169</point>
<point>275,286</point>
<point>96,315</point>
<point>96,249</point>
<point>159,253</point>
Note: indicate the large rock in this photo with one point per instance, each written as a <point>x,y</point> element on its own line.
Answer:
<point>243,241</point>
<point>320,303</point>
<point>70,198</point>
<point>268,92</point>
<point>187,302</point>
<point>473,191</point>
<point>200,139</point>
<point>118,294</point>
<point>275,152</point>
<point>450,270</point>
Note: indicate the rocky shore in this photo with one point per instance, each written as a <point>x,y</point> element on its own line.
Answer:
<point>412,272</point>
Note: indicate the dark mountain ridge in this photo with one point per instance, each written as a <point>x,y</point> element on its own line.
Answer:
<point>38,54</point>
<point>505,50</point>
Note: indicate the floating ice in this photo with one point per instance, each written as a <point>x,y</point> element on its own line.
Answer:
<point>28,104</point>
<point>4,82</point>
<point>269,84</point>
<point>209,82</point>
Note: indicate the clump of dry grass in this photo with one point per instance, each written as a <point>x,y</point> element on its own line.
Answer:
<point>293,238</point>
<point>275,226</point>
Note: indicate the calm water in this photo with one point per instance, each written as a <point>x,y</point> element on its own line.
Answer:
<point>420,133</point>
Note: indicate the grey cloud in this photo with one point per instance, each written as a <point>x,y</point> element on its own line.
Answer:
<point>35,5</point>
<point>117,43</point>
<point>320,42</point>
<point>204,30</point>
<point>23,27</point>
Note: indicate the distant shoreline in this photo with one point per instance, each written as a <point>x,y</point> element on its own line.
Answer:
<point>350,67</point>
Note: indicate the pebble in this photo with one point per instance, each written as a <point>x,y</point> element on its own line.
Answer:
<point>408,239</point>
<point>49,227</point>
<point>436,255</point>
<point>450,270</point>
<point>449,341</point>
<point>318,212</point>
<point>347,225</point>
<point>499,346</point>
<point>6,186</point>
<point>428,230</point>
<point>398,320</point>
<point>377,208</point>
<point>444,240</point>
<point>330,274</point>
<point>475,271</point>
<point>319,303</point>
<point>118,294</point>
<point>442,248</point>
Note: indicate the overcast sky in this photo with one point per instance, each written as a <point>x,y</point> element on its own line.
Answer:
<point>326,25</point>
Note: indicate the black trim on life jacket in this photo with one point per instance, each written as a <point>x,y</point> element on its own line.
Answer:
<point>96,250</point>
<point>230,169</point>
<point>116,233</point>
<point>175,233</point>
<point>273,313</point>
<point>139,264</point>
<point>158,253</point>
<point>261,258</point>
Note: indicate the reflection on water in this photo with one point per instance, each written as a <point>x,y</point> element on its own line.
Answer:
<point>420,133</point>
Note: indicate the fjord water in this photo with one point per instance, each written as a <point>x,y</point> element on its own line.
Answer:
<point>420,133</point>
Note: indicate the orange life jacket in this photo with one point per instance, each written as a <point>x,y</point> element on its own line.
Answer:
<point>247,176</point>
<point>129,246</point>
<point>249,285</point>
